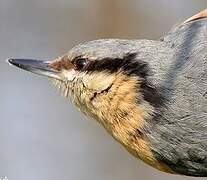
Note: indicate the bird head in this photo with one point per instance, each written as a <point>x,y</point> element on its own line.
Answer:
<point>108,81</point>
<point>105,79</point>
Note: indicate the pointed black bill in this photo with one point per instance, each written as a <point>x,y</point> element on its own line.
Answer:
<point>35,66</point>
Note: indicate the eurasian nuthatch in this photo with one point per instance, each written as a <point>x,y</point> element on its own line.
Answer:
<point>151,96</point>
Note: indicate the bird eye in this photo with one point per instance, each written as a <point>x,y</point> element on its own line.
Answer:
<point>80,63</point>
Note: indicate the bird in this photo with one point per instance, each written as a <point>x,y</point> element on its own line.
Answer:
<point>150,95</point>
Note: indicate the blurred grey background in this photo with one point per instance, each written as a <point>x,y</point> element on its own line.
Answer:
<point>44,137</point>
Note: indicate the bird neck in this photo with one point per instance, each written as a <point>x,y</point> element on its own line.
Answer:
<point>124,113</point>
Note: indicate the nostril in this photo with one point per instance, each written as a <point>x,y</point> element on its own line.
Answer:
<point>59,64</point>
<point>56,65</point>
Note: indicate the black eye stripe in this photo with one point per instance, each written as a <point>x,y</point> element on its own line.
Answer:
<point>130,65</point>
<point>111,65</point>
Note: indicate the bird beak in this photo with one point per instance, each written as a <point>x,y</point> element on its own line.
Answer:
<point>36,66</point>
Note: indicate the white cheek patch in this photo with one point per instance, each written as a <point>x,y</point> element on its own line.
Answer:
<point>98,81</point>
<point>70,75</point>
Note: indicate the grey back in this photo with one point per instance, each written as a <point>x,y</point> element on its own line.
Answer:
<point>179,138</point>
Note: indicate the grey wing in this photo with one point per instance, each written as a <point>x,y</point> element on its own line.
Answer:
<point>180,138</point>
